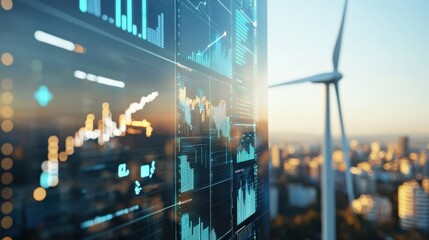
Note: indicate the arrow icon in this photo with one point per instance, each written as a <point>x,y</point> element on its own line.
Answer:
<point>137,189</point>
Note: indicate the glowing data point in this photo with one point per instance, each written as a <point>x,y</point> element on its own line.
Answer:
<point>43,96</point>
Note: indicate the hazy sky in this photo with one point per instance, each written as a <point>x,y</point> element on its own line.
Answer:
<point>384,59</point>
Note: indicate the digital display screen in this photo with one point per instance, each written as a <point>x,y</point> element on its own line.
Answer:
<point>133,119</point>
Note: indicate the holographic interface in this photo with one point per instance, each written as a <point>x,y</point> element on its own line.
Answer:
<point>133,119</point>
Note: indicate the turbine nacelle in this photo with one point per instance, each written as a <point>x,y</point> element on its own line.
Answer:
<point>330,77</point>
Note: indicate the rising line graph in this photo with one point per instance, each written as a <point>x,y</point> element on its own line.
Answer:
<point>107,129</point>
<point>213,43</point>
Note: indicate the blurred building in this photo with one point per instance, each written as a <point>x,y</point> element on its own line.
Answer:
<point>406,167</point>
<point>373,208</point>
<point>340,181</point>
<point>403,147</point>
<point>364,179</point>
<point>413,205</point>
<point>422,206</point>
<point>275,156</point>
<point>274,201</point>
<point>422,159</point>
<point>301,196</point>
<point>293,166</point>
<point>426,170</point>
<point>314,169</point>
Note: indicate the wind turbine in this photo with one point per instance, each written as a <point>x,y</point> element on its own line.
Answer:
<point>328,187</point>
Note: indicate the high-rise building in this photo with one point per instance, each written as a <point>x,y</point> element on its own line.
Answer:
<point>403,147</point>
<point>373,208</point>
<point>406,205</point>
<point>364,179</point>
<point>413,205</point>
<point>301,196</point>
<point>292,166</point>
<point>314,170</point>
<point>426,170</point>
<point>425,184</point>
<point>275,156</point>
<point>274,201</point>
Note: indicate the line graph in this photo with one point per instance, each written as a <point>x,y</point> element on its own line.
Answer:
<point>222,120</point>
<point>107,129</point>
<point>213,43</point>
<point>204,33</point>
<point>190,107</point>
<point>199,4</point>
<point>198,112</point>
<point>218,58</point>
<point>197,7</point>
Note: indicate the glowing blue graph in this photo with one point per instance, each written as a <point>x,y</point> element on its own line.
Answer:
<point>187,105</point>
<point>242,28</point>
<point>243,155</point>
<point>246,151</point>
<point>221,120</point>
<point>125,19</point>
<point>199,104</point>
<point>186,175</point>
<point>197,232</point>
<point>246,202</point>
<point>215,56</point>
<point>186,109</point>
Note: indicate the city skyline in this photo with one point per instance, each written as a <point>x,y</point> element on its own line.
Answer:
<point>391,186</point>
<point>385,47</point>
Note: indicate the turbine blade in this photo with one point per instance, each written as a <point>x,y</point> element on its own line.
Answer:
<point>345,148</point>
<point>324,77</point>
<point>337,49</point>
<point>304,80</point>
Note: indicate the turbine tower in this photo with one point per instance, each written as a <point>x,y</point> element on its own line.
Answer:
<point>328,187</point>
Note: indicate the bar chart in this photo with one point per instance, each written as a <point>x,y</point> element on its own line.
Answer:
<point>246,201</point>
<point>197,231</point>
<point>246,149</point>
<point>125,18</point>
<point>186,175</point>
<point>244,33</point>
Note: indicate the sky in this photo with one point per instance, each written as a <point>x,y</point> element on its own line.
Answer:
<point>384,60</point>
